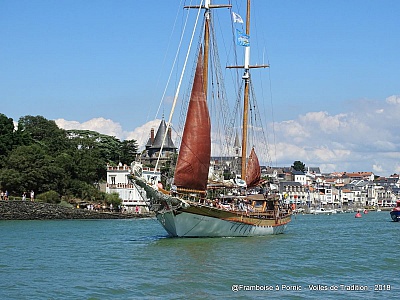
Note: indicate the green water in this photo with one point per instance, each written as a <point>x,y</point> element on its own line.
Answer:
<point>133,259</point>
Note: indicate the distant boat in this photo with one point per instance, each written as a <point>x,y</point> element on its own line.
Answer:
<point>358,215</point>
<point>323,211</point>
<point>395,213</point>
<point>365,211</point>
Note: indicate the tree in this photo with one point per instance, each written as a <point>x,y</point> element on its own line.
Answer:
<point>6,137</point>
<point>30,168</point>
<point>113,199</point>
<point>299,166</point>
<point>109,147</point>
<point>43,132</point>
<point>128,151</point>
<point>40,156</point>
<point>49,197</point>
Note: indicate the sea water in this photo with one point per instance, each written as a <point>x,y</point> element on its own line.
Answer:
<point>319,257</point>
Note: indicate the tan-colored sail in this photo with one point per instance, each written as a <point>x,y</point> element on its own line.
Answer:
<point>194,155</point>
<point>253,174</point>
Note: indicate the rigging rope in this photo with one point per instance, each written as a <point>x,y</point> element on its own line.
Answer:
<point>179,86</point>
<point>176,56</point>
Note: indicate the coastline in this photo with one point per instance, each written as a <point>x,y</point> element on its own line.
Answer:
<point>27,210</point>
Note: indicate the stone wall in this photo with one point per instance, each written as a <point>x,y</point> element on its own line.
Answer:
<point>27,210</point>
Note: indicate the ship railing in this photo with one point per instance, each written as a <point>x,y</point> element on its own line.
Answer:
<point>268,213</point>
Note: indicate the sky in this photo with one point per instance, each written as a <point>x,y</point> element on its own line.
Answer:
<point>334,79</point>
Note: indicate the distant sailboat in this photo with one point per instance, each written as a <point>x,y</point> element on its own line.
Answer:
<point>187,211</point>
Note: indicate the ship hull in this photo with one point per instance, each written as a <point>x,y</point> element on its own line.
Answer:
<point>204,222</point>
<point>395,215</point>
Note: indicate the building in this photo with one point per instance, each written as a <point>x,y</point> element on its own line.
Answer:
<point>118,177</point>
<point>155,144</point>
<point>132,195</point>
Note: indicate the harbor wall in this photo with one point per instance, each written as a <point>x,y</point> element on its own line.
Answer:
<point>27,210</point>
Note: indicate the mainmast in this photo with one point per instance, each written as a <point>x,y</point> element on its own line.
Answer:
<point>246,78</point>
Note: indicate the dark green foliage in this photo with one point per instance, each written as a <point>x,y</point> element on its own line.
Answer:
<point>129,150</point>
<point>41,157</point>
<point>299,166</point>
<point>49,197</point>
<point>6,137</point>
<point>43,132</point>
<point>113,199</point>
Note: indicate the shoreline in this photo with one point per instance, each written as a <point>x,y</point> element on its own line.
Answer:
<point>27,210</point>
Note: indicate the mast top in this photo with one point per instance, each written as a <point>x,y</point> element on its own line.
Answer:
<point>208,5</point>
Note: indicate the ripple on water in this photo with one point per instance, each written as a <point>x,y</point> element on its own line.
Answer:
<point>130,259</point>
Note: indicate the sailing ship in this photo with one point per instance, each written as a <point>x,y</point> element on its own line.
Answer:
<point>187,210</point>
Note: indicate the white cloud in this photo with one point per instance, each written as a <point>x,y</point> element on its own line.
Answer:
<point>106,126</point>
<point>323,121</point>
<point>395,99</point>
<point>101,125</point>
<point>365,139</point>
<point>360,140</point>
<point>142,134</point>
<point>377,168</point>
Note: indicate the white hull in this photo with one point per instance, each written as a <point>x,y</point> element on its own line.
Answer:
<point>323,212</point>
<point>187,224</point>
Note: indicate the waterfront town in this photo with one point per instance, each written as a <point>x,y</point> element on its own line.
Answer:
<point>308,190</point>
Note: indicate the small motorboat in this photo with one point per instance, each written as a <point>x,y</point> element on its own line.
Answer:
<point>395,213</point>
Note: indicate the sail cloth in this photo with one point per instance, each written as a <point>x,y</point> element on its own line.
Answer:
<point>253,170</point>
<point>194,155</point>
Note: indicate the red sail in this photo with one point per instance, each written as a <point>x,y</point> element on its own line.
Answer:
<point>195,151</point>
<point>253,171</point>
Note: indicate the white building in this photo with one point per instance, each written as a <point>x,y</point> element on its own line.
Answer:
<point>299,177</point>
<point>132,195</point>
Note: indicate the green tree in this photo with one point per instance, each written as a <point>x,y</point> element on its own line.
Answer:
<point>299,166</point>
<point>113,199</point>
<point>7,137</point>
<point>37,129</point>
<point>30,168</point>
<point>129,150</point>
<point>11,181</point>
<point>49,197</point>
<point>109,147</point>
<point>40,156</point>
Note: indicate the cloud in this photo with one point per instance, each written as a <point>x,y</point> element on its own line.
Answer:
<point>142,133</point>
<point>364,139</point>
<point>101,125</point>
<point>395,99</point>
<point>106,126</point>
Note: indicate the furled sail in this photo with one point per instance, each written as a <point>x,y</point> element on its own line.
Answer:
<point>253,173</point>
<point>194,155</point>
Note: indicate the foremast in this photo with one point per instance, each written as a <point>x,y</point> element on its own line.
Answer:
<point>207,16</point>
<point>192,167</point>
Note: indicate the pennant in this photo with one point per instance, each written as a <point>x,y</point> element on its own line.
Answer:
<point>242,39</point>
<point>237,18</point>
